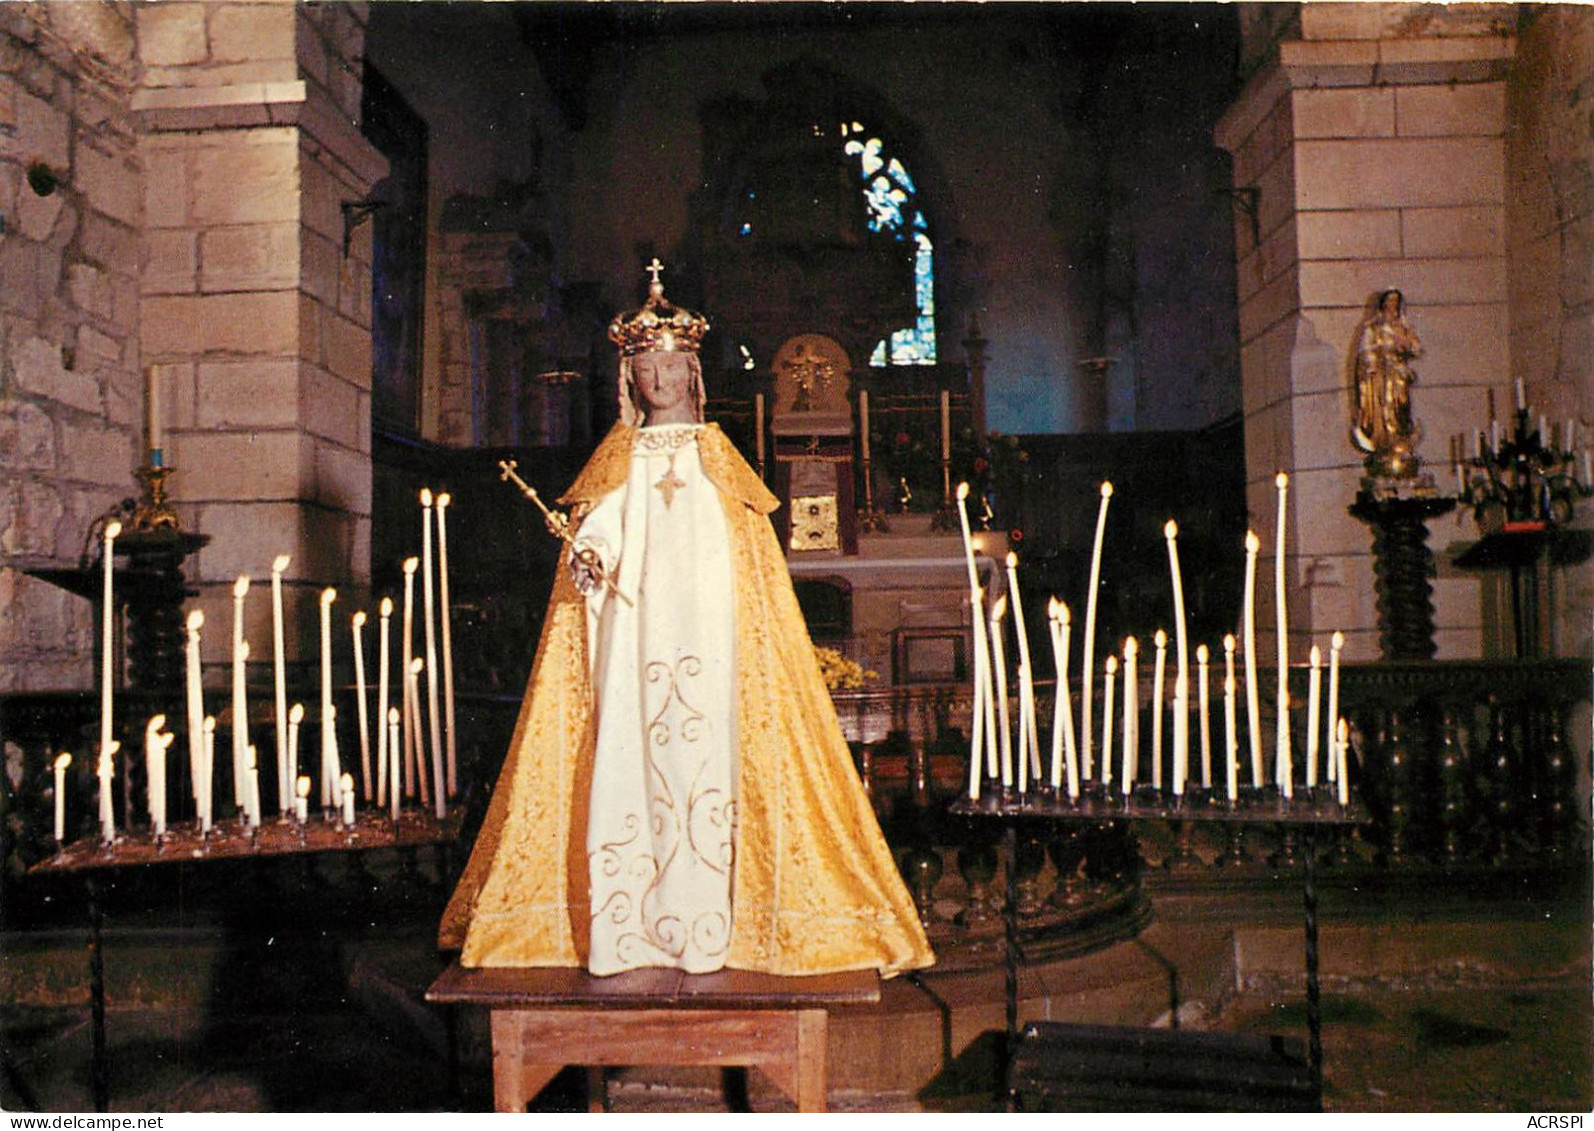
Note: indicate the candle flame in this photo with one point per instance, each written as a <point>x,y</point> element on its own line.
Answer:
<point>302,787</point>
<point>296,716</point>
<point>417,664</point>
<point>1201,654</point>
<point>1252,542</point>
<point>210,724</point>
<point>999,610</point>
<point>347,781</point>
<point>1106,488</point>
<point>1343,730</point>
<point>1112,665</point>
<point>411,564</point>
<point>1012,560</point>
<point>1315,656</point>
<point>62,761</point>
<point>1337,641</point>
<point>387,606</point>
<point>392,716</point>
<point>963,491</point>
<point>1131,647</point>
<point>359,619</point>
<point>112,530</point>
<point>444,499</point>
<point>1170,530</point>
<point>156,723</point>
<point>280,563</point>
<point>1282,480</point>
<point>1228,642</point>
<point>196,620</point>
<point>426,496</point>
<point>328,595</point>
<point>240,587</point>
<point>1161,638</point>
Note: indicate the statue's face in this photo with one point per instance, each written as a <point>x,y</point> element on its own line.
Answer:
<point>663,382</point>
<point>1391,303</point>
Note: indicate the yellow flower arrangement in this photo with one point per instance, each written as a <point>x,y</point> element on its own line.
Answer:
<point>841,673</point>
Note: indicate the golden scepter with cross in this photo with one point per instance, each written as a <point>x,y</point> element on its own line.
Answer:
<point>558,524</point>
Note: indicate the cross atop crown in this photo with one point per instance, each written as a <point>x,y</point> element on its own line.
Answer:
<point>655,269</point>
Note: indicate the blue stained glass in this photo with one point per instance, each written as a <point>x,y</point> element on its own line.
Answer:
<point>887,199</point>
<point>896,170</point>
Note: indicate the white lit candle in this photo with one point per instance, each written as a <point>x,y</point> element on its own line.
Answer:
<point>1029,731</point>
<point>1231,749</point>
<point>252,787</point>
<point>207,810</point>
<point>1203,689</point>
<point>347,786</point>
<point>1131,712</point>
<point>1314,692</point>
<point>1181,682</point>
<point>1283,766</point>
<point>1088,661</point>
<point>443,502</point>
<point>1106,721</point>
<point>62,761</point>
<point>240,720</point>
<point>280,681</point>
<point>1158,678</point>
<point>331,765</point>
<point>999,665</point>
<point>329,779</point>
<point>301,799</point>
<point>1342,733</point>
<point>1062,708</point>
<point>415,767</point>
<point>383,662</point>
<point>295,720</point>
<point>393,759</point>
<point>107,641</point>
<point>1335,644</point>
<point>195,702</point>
<point>1253,704</point>
<point>429,611</point>
<point>410,566</point>
<point>154,777</point>
<point>360,707</point>
<point>977,723</point>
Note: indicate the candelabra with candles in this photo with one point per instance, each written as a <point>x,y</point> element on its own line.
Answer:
<point>1529,479</point>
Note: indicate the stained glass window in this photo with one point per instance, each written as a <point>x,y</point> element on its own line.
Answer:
<point>890,197</point>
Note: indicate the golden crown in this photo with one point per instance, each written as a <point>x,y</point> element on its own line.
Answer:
<point>658,325</point>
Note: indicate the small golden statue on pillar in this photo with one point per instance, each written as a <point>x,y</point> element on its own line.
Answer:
<point>1384,375</point>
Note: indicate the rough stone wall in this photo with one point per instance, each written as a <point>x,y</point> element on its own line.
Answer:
<point>71,403</point>
<point>1550,242</point>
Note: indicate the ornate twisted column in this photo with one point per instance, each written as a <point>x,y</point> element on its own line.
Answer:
<point>1403,564</point>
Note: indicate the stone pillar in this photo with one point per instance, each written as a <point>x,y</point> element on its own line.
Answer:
<point>1368,153</point>
<point>256,295</point>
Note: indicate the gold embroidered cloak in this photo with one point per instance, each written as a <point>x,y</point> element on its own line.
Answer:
<point>814,886</point>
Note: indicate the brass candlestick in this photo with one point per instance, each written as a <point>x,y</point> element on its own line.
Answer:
<point>152,512</point>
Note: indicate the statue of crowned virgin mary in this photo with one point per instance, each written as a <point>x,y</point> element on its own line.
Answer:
<point>678,792</point>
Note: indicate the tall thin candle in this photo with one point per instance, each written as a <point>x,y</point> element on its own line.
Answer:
<point>113,530</point>
<point>329,738</point>
<point>946,425</point>
<point>1253,704</point>
<point>1203,689</point>
<point>295,720</point>
<point>1106,721</point>
<point>360,705</point>
<point>444,625</point>
<point>999,665</point>
<point>1029,730</point>
<point>280,683</point>
<point>977,724</point>
<point>393,759</point>
<point>62,761</point>
<point>429,611</point>
<point>417,764</point>
<point>1342,734</point>
<point>1283,764</point>
<point>1158,677</point>
<point>154,772</point>
<point>1181,683</point>
<point>107,810</point>
<point>207,793</point>
<point>1062,708</point>
<point>1314,691</point>
<point>331,764</point>
<point>410,566</point>
<point>1088,661</point>
<point>383,662</point>
<point>240,714</point>
<point>1335,644</point>
<point>1131,713</point>
<point>1231,750</point>
<point>195,702</point>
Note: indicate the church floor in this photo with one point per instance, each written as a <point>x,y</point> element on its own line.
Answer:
<point>1425,1010</point>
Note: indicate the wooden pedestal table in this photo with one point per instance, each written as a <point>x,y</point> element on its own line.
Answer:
<point>543,1019</point>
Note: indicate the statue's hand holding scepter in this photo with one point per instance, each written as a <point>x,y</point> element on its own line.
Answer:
<point>558,524</point>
